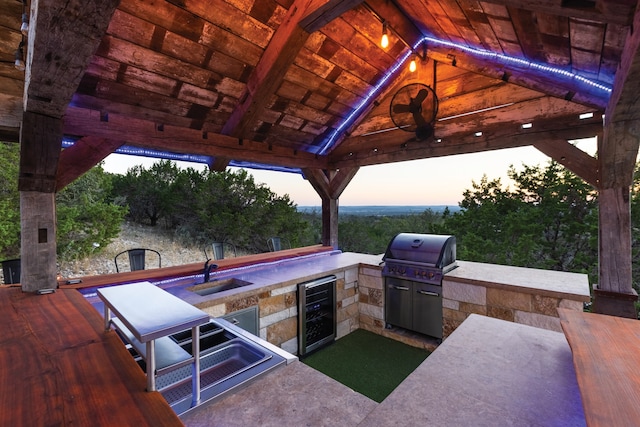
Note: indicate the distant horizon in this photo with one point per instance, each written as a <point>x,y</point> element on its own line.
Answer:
<point>383,210</point>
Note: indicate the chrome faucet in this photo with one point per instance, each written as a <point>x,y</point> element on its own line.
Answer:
<point>208,268</point>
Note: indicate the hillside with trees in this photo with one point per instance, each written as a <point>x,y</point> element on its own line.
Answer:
<point>548,220</point>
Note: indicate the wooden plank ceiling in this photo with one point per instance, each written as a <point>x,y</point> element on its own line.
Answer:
<point>305,83</point>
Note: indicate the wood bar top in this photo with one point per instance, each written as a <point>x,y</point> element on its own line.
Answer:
<point>189,269</point>
<point>59,367</point>
<point>606,356</point>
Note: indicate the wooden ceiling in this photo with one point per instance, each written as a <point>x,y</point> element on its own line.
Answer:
<point>304,84</point>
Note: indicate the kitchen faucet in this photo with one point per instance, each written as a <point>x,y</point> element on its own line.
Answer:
<point>208,268</point>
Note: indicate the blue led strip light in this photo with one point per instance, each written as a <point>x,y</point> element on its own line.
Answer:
<point>193,158</point>
<point>519,62</point>
<point>145,152</point>
<point>478,52</point>
<point>365,101</point>
<point>252,165</point>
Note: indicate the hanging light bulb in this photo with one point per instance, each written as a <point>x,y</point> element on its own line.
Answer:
<point>24,28</point>
<point>384,42</point>
<point>19,63</point>
<point>412,65</point>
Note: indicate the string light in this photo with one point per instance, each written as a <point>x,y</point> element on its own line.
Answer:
<point>24,28</point>
<point>19,57</point>
<point>384,41</point>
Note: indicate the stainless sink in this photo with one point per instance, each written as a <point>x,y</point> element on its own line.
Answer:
<point>219,285</point>
<point>227,361</point>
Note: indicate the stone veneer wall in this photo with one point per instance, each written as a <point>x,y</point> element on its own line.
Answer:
<point>519,306</point>
<point>371,299</point>
<point>278,310</point>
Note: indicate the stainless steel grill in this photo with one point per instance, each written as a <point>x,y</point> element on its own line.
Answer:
<point>414,266</point>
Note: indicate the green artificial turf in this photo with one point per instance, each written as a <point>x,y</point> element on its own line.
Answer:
<point>367,363</point>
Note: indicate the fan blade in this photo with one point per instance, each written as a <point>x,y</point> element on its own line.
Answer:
<point>401,108</point>
<point>420,121</point>
<point>421,96</point>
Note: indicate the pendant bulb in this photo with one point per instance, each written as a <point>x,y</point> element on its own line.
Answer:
<point>412,65</point>
<point>19,58</point>
<point>24,28</point>
<point>384,41</point>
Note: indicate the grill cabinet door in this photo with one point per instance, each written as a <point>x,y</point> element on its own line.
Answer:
<point>427,309</point>
<point>398,307</point>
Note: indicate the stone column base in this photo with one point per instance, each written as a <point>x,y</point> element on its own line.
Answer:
<point>614,303</point>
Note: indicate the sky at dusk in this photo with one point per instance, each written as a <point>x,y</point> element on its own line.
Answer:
<point>435,181</point>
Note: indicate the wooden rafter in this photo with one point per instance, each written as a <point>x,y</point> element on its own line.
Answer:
<point>608,11</point>
<point>147,134</point>
<point>82,156</point>
<point>571,157</point>
<point>401,147</point>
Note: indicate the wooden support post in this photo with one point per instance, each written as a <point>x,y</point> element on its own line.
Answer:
<point>614,294</point>
<point>38,241</point>
<point>329,185</point>
<point>40,145</point>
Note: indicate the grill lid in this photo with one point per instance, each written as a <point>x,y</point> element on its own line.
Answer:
<point>435,250</point>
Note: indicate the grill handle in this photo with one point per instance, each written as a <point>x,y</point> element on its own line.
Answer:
<point>399,288</point>
<point>431,294</point>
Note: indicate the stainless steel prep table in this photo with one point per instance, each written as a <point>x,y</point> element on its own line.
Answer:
<point>151,313</point>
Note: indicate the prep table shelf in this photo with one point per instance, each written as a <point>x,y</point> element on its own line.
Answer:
<point>146,316</point>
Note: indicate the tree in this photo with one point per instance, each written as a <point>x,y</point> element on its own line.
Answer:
<point>203,207</point>
<point>9,201</point>
<point>148,193</point>
<point>548,221</point>
<point>635,228</point>
<point>87,221</point>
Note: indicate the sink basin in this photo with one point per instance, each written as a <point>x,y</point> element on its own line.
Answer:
<point>223,368</point>
<point>216,286</point>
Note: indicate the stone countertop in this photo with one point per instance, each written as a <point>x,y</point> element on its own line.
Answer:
<point>531,280</point>
<point>488,372</point>
<point>294,395</point>
<point>279,273</point>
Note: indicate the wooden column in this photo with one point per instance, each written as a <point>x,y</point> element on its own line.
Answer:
<point>614,293</point>
<point>40,145</point>
<point>329,184</point>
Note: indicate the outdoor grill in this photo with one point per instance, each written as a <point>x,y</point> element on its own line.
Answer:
<point>414,266</point>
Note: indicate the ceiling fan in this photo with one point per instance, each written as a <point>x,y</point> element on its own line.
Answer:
<point>414,108</point>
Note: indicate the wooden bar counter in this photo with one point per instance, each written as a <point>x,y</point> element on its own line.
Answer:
<point>59,367</point>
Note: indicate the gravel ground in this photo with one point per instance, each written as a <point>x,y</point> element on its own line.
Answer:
<point>134,236</point>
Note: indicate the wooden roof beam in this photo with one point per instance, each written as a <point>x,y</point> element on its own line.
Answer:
<point>571,157</point>
<point>618,150</point>
<point>302,18</point>
<point>330,184</point>
<point>607,11</point>
<point>399,146</point>
<point>147,134</point>
<point>63,36</point>
<point>82,156</point>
